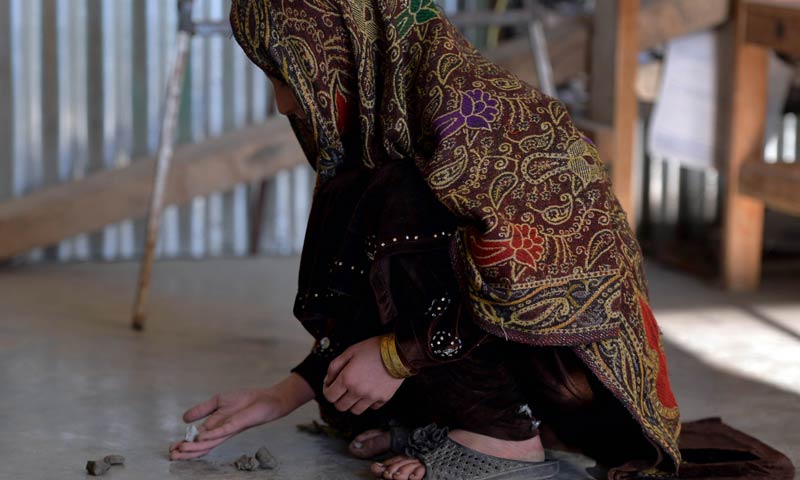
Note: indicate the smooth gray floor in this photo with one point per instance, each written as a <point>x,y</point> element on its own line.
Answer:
<point>76,383</point>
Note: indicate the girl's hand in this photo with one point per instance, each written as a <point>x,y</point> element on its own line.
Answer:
<point>232,413</point>
<point>357,379</point>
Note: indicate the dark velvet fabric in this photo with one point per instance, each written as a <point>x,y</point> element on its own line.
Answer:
<point>713,450</point>
<point>374,260</point>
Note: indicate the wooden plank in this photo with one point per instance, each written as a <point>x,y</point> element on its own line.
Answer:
<point>774,24</point>
<point>613,91</point>
<point>663,20</point>
<point>745,107</point>
<point>569,39</point>
<point>776,185</point>
<point>52,214</point>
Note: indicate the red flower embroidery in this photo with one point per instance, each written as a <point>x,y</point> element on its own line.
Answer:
<point>663,388</point>
<point>524,246</point>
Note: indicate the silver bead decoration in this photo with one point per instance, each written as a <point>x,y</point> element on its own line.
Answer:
<point>445,344</point>
<point>326,348</point>
<point>438,307</point>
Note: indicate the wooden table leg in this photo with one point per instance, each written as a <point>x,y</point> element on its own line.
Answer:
<point>614,65</point>
<point>743,217</point>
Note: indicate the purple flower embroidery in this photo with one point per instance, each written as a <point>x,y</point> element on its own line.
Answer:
<point>478,109</point>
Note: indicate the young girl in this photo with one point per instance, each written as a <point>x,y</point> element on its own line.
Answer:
<point>471,282</point>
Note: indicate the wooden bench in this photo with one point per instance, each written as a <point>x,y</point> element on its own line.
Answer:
<point>757,27</point>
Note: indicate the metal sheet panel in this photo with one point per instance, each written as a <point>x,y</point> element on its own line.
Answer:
<point>81,89</point>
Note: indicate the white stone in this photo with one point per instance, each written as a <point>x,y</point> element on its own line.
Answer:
<point>191,433</point>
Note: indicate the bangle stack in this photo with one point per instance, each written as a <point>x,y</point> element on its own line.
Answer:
<point>391,359</point>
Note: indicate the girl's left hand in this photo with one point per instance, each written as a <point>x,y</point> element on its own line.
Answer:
<point>357,379</point>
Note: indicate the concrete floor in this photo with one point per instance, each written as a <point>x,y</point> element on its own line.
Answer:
<point>76,383</point>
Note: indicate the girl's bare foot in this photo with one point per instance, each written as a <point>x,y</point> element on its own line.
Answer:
<point>405,468</point>
<point>370,443</point>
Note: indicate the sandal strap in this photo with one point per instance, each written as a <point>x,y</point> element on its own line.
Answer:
<point>425,440</point>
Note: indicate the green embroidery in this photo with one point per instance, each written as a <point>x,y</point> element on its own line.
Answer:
<point>417,13</point>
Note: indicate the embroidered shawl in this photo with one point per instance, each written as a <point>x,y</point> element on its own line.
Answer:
<point>545,256</point>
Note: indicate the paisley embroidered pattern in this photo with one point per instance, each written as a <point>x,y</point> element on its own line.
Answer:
<point>545,254</point>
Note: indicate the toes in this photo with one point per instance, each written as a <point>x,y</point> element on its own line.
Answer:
<point>396,459</point>
<point>404,472</point>
<point>395,471</point>
<point>378,444</point>
<point>377,469</point>
<point>363,436</point>
<point>418,473</point>
<point>370,443</point>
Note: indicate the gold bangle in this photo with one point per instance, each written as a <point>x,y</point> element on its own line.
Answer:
<point>391,359</point>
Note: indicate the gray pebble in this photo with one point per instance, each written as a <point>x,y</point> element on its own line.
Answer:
<point>114,459</point>
<point>265,459</point>
<point>246,463</point>
<point>97,467</point>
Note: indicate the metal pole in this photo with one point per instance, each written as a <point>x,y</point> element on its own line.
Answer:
<point>541,55</point>
<point>163,160</point>
<point>544,69</point>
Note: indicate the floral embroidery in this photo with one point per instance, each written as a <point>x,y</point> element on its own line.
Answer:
<point>478,110</point>
<point>653,335</point>
<point>524,246</point>
<point>418,12</point>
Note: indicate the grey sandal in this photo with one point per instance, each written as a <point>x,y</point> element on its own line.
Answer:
<point>445,459</point>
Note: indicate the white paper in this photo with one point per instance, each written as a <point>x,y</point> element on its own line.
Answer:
<point>683,125</point>
<point>780,82</point>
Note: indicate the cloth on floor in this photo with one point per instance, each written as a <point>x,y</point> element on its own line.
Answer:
<point>714,450</point>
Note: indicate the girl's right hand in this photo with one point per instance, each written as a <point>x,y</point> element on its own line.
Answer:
<point>232,413</point>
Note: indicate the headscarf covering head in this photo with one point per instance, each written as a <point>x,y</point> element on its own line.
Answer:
<point>368,62</point>
<point>306,45</point>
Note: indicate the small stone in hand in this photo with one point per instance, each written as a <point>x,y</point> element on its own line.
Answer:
<point>191,433</point>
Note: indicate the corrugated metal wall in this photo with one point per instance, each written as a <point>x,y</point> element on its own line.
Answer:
<point>81,89</point>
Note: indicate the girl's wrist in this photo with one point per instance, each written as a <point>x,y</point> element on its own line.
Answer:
<point>391,358</point>
<point>290,394</point>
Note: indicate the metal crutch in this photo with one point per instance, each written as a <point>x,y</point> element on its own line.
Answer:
<point>187,28</point>
<point>541,55</point>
